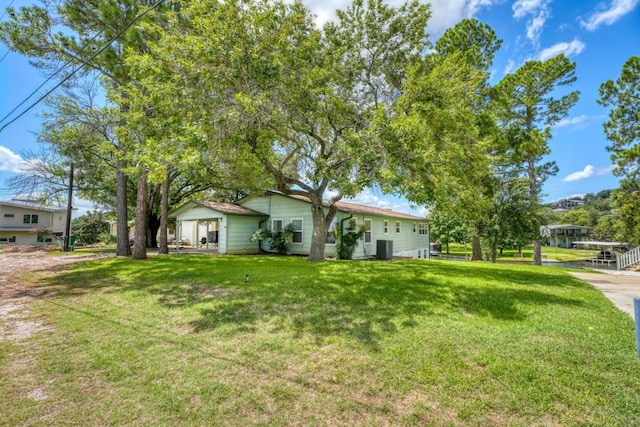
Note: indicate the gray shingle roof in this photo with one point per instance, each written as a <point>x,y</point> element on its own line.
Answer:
<point>230,208</point>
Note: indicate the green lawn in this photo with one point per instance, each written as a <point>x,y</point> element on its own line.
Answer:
<point>184,340</point>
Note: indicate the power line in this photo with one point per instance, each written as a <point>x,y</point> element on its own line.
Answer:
<point>84,63</point>
<point>5,10</point>
<point>1,18</point>
<point>58,71</point>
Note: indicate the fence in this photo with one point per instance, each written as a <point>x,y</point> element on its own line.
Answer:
<point>628,259</point>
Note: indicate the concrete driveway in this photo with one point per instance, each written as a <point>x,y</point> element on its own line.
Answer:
<point>621,287</point>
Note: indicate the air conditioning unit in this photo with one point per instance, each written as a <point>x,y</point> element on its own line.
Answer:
<point>384,249</point>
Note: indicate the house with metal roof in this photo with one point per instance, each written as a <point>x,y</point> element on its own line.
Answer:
<point>229,226</point>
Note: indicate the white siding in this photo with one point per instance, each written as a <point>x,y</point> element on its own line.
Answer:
<point>12,223</point>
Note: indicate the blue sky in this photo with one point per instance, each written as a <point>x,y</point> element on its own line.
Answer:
<point>599,35</point>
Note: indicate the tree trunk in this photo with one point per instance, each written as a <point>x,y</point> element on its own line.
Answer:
<point>476,249</point>
<point>140,243</point>
<point>319,234</point>
<point>533,193</point>
<point>537,252</point>
<point>494,249</point>
<point>164,210</point>
<point>153,225</point>
<point>122,223</point>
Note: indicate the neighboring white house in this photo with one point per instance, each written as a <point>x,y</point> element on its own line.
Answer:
<point>564,235</point>
<point>232,225</point>
<point>24,224</point>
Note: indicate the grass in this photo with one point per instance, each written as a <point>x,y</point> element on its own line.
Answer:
<point>548,253</point>
<point>184,340</point>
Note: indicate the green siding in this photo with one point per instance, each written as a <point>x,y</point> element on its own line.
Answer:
<point>405,241</point>
<point>238,231</point>
<point>287,208</point>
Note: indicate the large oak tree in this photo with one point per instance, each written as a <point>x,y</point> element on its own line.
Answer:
<point>304,101</point>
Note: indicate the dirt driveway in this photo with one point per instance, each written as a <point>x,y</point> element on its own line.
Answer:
<point>16,295</point>
<point>620,287</point>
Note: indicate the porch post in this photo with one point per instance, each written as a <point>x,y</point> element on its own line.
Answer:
<point>178,234</point>
<point>208,224</point>
<point>197,242</point>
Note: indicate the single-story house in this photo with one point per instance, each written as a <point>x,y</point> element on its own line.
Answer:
<point>229,226</point>
<point>28,224</point>
<point>564,235</point>
<point>225,226</point>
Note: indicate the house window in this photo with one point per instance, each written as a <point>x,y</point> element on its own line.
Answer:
<point>30,219</point>
<point>11,239</point>
<point>367,233</point>
<point>415,227</point>
<point>385,226</point>
<point>8,215</point>
<point>331,237</point>
<point>297,231</point>
<point>276,225</point>
<point>422,228</point>
<point>397,227</point>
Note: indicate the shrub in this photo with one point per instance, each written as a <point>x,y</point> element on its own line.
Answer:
<point>347,241</point>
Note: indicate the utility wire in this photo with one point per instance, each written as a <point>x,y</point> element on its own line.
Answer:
<point>1,18</point>
<point>5,10</point>
<point>58,71</point>
<point>84,63</point>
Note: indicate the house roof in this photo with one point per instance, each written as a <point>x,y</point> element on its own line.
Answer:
<point>230,208</point>
<point>356,208</point>
<point>32,207</point>
<point>561,226</point>
<point>222,207</point>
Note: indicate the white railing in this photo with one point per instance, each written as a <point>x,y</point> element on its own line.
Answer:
<point>628,259</point>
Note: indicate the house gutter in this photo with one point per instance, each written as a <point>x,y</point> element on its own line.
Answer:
<point>342,223</point>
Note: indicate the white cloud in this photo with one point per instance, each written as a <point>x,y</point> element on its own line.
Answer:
<point>444,13</point>
<point>587,172</point>
<point>578,121</point>
<point>616,10</point>
<point>447,13</point>
<point>574,47</point>
<point>370,197</point>
<point>510,67</point>
<point>536,25</point>
<point>522,8</point>
<point>10,161</point>
<point>539,10</point>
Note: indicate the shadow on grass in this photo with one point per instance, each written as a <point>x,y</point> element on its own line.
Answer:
<point>364,301</point>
